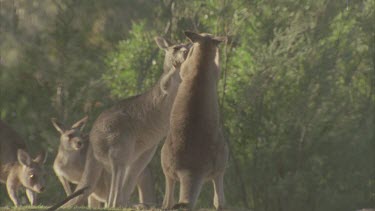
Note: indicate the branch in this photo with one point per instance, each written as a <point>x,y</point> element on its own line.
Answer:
<point>73,195</point>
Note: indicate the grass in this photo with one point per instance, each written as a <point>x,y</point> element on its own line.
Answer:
<point>40,208</point>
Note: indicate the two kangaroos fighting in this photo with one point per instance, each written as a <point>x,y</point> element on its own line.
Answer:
<point>124,138</point>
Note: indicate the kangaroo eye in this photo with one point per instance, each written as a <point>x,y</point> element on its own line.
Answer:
<point>31,176</point>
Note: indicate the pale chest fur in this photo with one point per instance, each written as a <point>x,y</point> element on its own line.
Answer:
<point>70,165</point>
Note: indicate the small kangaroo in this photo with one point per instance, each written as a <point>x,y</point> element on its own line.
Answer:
<point>195,150</point>
<point>70,163</point>
<point>17,168</point>
<point>124,138</point>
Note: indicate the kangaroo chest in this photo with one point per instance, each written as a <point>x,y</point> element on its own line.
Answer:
<point>70,165</point>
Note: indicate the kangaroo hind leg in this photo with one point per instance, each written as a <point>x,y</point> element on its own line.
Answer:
<point>219,199</point>
<point>190,187</point>
<point>168,201</point>
<point>118,174</point>
<point>134,170</point>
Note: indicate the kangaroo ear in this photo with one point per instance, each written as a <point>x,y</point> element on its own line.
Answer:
<point>219,40</point>
<point>81,123</point>
<point>41,158</point>
<point>192,36</point>
<point>162,43</point>
<point>57,125</point>
<point>23,157</point>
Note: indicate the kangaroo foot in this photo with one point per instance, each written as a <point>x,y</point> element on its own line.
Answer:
<point>183,206</point>
<point>141,206</point>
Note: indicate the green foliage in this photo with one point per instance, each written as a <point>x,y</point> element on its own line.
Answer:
<point>295,103</point>
<point>136,63</point>
<point>296,93</point>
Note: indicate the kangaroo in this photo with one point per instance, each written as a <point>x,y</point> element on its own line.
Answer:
<point>124,138</point>
<point>195,150</point>
<point>70,162</point>
<point>17,168</point>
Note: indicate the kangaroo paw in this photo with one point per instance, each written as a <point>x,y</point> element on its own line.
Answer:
<point>141,206</point>
<point>180,206</point>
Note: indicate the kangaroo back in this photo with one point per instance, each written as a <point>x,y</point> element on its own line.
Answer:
<point>195,150</point>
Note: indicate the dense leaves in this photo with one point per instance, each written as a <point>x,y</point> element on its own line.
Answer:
<point>296,93</point>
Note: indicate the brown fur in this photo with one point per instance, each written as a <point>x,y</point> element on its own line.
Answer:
<point>124,138</point>
<point>17,168</point>
<point>70,162</point>
<point>195,150</point>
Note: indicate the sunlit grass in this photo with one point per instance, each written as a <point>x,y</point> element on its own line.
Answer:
<point>38,208</point>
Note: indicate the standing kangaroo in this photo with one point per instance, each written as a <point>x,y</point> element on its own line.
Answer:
<point>124,138</point>
<point>70,163</point>
<point>17,168</point>
<point>195,149</point>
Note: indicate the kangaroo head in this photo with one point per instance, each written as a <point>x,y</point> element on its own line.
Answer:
<point>72,139</point>
<point>204,38</point>
<point>175,55</point>
<point>32,175</point>
<point>208,51</point>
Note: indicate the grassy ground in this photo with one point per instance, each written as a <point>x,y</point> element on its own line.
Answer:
<point>40,208</point>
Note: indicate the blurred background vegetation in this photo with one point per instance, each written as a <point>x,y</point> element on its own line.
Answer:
<point>296,93</point>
